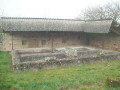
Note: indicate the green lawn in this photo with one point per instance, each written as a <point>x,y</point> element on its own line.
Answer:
<point>87,77</point>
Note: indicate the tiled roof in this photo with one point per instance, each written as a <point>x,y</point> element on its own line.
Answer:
<point>47,24</point>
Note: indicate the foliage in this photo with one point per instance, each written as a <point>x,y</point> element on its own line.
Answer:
<point>102,12</point>
<point>87,77</point>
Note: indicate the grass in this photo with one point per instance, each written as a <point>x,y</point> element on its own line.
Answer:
<point>87,77</point>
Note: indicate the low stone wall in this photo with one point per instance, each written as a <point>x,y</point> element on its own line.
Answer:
<point>82,58</point>
<point>15,57</point>
<point>35,51</point>
<point>41,56</point>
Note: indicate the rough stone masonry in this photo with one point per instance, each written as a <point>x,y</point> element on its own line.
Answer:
<point>40,59</point>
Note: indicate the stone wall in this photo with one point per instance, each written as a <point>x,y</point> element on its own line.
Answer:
<point>35,66</point>
<point>23,40</point>
<point>109,41</point>
<point>7,43</point>
<point>89,56</point>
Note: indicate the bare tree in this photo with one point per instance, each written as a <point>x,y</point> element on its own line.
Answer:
<point>102,12</point>
<point>1,14</point>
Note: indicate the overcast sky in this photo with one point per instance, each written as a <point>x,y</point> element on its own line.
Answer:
<point>66,9</point>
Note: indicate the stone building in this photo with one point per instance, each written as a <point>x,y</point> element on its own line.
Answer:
<point>20,33</point>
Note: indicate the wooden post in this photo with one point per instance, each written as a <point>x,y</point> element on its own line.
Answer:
<point>103,42</point>
<point>12,40</point>
<point>52,43</point>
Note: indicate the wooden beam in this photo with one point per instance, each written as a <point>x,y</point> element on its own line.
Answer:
<point>103,41</point>
<point>52,42</point>
<point>12,40</point>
